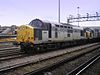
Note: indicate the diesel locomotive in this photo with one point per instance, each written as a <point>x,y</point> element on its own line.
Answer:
<point>41,35</point>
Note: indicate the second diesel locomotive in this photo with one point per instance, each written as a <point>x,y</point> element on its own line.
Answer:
<point>40,35</point>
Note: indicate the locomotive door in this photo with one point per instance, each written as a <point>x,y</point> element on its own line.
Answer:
<point>38,34</point>
<point>56,33</point>
<point>44,35</point>
<point>49,29</point>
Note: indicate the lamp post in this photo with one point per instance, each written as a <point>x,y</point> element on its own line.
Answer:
<point>59,11</point>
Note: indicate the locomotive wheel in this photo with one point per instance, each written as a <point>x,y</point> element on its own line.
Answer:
<point>29,50</point>
<point>22,47</point>
<point>38,49</point>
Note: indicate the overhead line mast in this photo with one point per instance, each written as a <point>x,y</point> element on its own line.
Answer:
<point>88,17</point>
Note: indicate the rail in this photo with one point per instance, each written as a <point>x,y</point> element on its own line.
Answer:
<point>84,66</point>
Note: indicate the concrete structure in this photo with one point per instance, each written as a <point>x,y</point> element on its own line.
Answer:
<point>8,30</point>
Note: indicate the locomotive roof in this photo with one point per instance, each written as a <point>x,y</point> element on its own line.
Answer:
<point>38,23</point>
<point>43,24</point>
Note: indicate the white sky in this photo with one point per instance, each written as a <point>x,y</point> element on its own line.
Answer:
<point>18,12</point>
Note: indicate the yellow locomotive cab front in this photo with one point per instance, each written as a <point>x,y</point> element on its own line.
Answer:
<point>25,34</point>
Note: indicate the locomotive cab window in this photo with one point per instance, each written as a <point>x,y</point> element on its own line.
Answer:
<point>69,27</point>
<point>68,35</point>
<point>65,26</point>
<point>61,26</point>
<point>57,25</point>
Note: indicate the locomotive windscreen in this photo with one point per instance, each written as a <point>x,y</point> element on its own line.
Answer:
<point>36,23</point>
<point>39,24</point>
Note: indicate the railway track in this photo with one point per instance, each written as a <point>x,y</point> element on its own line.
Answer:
<point>84,66</point>
<point>46,69</point>
<point>9,57</point>
<point>10,53</point>
<point>42,57</point>
<point>6,49</point>
<point>9,50</point>
<point>6,44</point>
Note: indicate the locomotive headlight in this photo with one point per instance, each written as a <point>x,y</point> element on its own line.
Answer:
<point>31,45</point>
